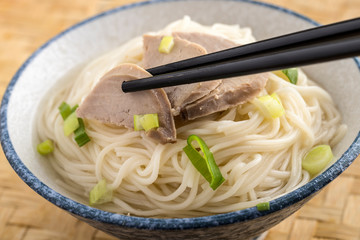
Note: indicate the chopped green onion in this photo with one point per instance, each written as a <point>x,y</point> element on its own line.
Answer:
<point>71,123</point>
<point>45,147</point>
<point>290,74</point>
<point>81,137</point>
<point>150,121</point>
<point>166,44</point>
<point>65,110</point>
<point>317,159</point>
<point>270,106</point>
<point>263,206</point>
<point>101,193</point>
<point>206,164</point>
<point>137,124</point>
<point>74,108</point>
<point>146,121</point>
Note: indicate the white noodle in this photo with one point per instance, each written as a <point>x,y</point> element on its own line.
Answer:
<point>260,159</point>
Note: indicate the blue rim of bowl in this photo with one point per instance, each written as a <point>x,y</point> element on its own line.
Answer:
<point>158,223</point>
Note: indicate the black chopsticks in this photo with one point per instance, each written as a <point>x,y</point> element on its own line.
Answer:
<point>320,44</point>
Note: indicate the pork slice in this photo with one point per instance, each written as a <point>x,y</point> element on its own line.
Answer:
<point>231,92</point>
<point>211,43</point>
<point>181,95</point>
<point>182,49</point>
<point>107,103</point>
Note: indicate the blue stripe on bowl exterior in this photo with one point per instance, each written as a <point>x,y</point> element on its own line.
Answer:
<point>241,224</point>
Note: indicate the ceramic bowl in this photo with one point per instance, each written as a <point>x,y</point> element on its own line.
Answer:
<point>108,30</point>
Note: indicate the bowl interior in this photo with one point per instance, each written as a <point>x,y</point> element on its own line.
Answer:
<point>100,34</point>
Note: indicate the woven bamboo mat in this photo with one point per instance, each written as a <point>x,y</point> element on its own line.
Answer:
<point>26,24</point>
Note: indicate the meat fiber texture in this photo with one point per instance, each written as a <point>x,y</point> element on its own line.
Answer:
<point>107,103</point>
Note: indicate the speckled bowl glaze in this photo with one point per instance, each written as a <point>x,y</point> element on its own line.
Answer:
<point>104,32</point>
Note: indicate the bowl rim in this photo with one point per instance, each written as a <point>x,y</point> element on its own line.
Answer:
<point>94,214</point>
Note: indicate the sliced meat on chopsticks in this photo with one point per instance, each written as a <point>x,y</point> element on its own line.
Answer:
<point>231,91</point>
<point>181,95</point>
<point>212,43</point>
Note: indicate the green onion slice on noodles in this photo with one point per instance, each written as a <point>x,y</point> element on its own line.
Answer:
<point>65,110</point>
<point>101,193</point>
<point>291,74</point>
<point>45,147</point>
<point>80,135</point>
<point>270,106</point>
<point>317,159</point>
<point>71,123</point>
<point>205,164</point>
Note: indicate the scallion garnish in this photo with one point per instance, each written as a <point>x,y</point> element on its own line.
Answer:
<point>206,164</point>
<point>146,121</point>
<point>263,206</point>
<point>137,124</point>
<point>45,147</point>
<point>317,159</point>
<point>149,121</point>
<point>270,106</point>
<point>71,123</point>
<point>74,108</point>
<point>80,135</point>
<point>100,193</point>
<point>65,110</point>
<point>166,44</point>
<point>290,74</point>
